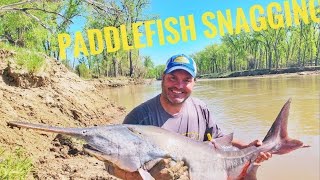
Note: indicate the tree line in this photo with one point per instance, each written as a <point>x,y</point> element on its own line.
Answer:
<point>34,24</point>
<point>295,46</point>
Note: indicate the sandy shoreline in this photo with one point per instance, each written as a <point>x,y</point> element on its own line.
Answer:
<point>303,73</point>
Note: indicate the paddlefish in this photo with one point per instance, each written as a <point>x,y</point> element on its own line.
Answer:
<point>139,147</point>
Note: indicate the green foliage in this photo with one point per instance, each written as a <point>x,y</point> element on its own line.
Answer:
<point>126,12</point>
<point>35,24</point>
<point>24,32</point>
<point>151,73</point>
<point>149,67</point>
<point>271,48</point>
<point>16,165</point>
<point>5,2</point>
<point>148,62</point>
<point>158,71</point>
<point>83,71</point>
<point>294,46</point>
<point>31,61</point>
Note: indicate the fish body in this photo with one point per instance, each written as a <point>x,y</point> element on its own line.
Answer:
<point>136,147</point>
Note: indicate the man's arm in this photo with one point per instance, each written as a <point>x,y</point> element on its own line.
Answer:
<point>120,173</point>
<point>239,144</point>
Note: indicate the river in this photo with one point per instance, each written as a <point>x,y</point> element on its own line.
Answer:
<point>248,106</point>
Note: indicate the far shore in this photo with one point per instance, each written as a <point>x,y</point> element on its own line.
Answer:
<point>124,81</point>
<point>302,73</point>
<point>264,72</point>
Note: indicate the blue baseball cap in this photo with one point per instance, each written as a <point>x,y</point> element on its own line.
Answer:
<point>183,62</point>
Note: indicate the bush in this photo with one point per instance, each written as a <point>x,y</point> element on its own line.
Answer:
<point>14,166</point>
<point>83,71</point>
<point>30,60</point>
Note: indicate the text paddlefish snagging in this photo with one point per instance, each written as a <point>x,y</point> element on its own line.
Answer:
<point>173,30</point>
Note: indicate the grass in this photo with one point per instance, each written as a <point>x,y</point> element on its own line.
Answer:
<point>15,165</point>
<point>30,60</point>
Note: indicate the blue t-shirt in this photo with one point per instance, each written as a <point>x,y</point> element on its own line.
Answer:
<point>194,120</point>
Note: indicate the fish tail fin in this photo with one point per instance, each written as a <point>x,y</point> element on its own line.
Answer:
<point>278,133</point>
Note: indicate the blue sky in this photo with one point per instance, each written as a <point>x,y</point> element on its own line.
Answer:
<point>175,8</point>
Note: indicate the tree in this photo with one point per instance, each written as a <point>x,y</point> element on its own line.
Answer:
<point>271,48</point>
<point>148,62</point>
<point>36,23</point>
<point>133,10</point>
<point>149,67</point>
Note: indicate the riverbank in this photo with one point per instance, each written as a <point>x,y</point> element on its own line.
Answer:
<point>265,72</point>
<point>302,73</point>
<point>118,82</point>
<point>53,96</point>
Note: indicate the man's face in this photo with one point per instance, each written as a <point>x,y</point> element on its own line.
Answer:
<point>177,86</point>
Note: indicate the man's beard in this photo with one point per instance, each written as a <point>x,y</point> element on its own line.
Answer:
<point>165,92</point>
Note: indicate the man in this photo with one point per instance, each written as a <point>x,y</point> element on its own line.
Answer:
<point>176,111</point>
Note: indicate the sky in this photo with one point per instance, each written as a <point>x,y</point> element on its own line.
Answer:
<point>175,8</point>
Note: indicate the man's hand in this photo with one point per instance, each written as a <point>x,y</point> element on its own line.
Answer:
<point>166,169</point>
<point>263,155</point>
<point>169,169</point>
<point>120,173</point>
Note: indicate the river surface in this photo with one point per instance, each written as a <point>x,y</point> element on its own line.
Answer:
<point>248,107</point>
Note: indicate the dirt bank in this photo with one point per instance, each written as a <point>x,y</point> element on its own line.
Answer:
<point>55,96</point>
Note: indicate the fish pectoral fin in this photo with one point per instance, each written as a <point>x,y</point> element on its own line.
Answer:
<point>145,174</point>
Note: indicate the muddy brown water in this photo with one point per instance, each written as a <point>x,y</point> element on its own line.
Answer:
<point>248,106</point>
